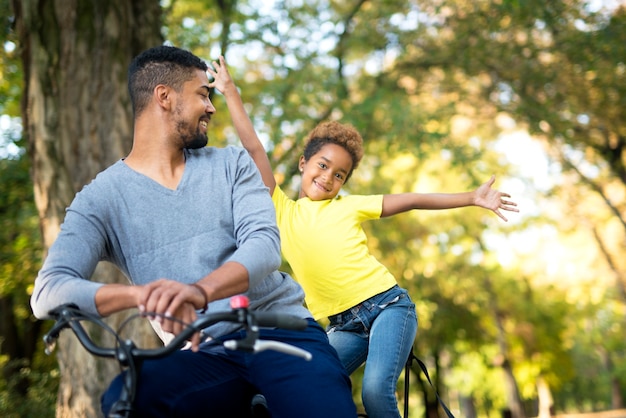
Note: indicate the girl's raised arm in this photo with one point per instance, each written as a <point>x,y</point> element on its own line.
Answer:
<point>243,125</point>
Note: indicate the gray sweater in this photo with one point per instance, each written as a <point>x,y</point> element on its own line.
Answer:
<point>220,212</point>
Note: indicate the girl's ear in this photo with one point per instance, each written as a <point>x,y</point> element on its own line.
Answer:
<point>301,163</point>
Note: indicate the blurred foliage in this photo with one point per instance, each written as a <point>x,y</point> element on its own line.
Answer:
<point>30,382</point>
<point>30,377</point>
<point>11,82</point>
<point>438,89</point>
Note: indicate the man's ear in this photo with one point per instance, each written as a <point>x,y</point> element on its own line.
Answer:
<point>163,96</point>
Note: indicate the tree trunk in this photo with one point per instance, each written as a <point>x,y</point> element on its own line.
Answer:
<point>546,402</point>
<point>468,406</point>
<point>514,401</point>
<point>431,403</point>
<point>617,402</point>
<point>77,119</point>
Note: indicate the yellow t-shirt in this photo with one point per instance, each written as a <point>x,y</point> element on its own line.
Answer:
<point>326,247</point>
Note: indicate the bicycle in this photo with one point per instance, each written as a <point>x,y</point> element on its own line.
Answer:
<point>130,357</point>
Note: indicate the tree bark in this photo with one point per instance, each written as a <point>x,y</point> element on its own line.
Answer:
<point>468,406</point>
<point>77,119</point>
<point>514,401</point>
<point>546,402</point>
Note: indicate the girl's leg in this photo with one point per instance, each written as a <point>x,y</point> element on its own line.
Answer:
<point>391,338</point>
<point>351,342</point>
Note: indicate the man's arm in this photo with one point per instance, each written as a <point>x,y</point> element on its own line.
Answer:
<point>255,255</point>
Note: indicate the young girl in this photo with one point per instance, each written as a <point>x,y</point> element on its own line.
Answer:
<point>372,319</point>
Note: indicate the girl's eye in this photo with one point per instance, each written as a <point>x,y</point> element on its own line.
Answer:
<point>322,165</point>
<point>339,176</point>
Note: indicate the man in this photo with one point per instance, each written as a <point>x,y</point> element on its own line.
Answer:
<point>190,226</point>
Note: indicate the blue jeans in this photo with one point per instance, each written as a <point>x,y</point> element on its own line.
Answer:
<point>220,383</point>
<point>380,332</point>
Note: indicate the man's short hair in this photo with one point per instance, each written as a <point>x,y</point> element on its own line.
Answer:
<point>167,65</point>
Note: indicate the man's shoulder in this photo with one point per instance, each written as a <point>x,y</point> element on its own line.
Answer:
<point>104,179</point>
<point>230,151</point>
<point>221,159</point>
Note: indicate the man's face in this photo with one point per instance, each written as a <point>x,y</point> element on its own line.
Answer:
<point>193,112</point>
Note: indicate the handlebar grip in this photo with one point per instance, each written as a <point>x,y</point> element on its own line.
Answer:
<point>272,319</point>
<point>62,310</point>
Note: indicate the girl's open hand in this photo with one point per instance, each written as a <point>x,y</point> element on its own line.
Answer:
<point>494,200</point>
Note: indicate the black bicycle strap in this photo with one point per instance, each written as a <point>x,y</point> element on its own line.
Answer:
<point>406,389</point>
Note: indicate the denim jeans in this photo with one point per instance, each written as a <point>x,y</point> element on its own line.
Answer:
<point>380,332</point>
<point>219,383</point>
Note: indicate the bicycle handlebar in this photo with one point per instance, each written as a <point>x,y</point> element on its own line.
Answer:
<point>129,355</point>
<point>69,316</point>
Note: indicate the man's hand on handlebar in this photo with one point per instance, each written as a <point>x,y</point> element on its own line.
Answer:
<point>171,299</point>
<point>126,352</point>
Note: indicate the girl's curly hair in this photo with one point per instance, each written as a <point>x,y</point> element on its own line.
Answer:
<point>344,135</point>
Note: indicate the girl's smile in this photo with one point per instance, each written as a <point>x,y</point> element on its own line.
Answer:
<point>325,172</point>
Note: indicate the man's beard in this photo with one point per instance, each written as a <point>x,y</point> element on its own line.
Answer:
<point>191,140</point>
<point>198,140</point>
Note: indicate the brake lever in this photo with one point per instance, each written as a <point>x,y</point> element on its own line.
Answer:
<point>50,338</point>
<point>61,313</point>
<point>262,345</point>
<point>50,345</point>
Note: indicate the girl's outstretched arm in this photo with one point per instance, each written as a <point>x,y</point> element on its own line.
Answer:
<point>484,197</point>
<point>243,125</point>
